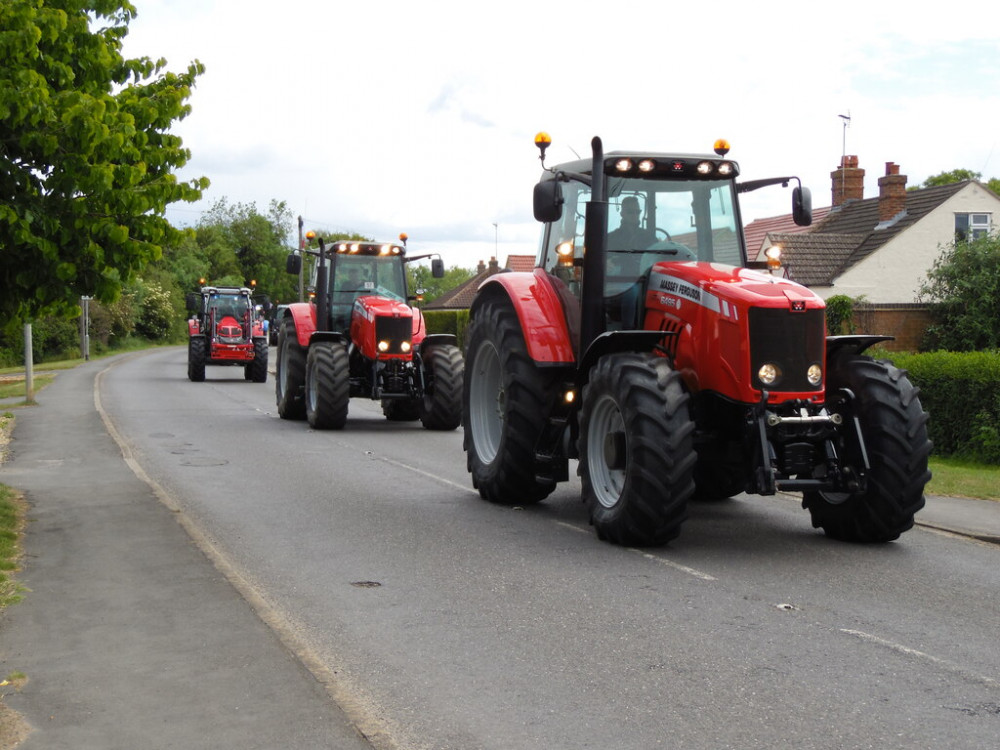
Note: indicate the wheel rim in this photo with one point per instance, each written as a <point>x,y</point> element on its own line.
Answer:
<point>487,401</point>
<point>283,367</point>
<point>606,481</point>
<point>311,389</point>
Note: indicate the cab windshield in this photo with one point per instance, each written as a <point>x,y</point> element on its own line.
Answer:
<point>648,221</point>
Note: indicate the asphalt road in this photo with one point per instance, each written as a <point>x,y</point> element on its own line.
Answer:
<point>448,622</point>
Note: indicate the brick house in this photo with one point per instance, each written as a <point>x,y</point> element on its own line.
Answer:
<point>878,249</point>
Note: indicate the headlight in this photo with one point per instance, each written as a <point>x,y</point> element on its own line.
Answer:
<point>383,345</point>
<point>769,373</point>
<point>405,347</point>
<point>814,374</point>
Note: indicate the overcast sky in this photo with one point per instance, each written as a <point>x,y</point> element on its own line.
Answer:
<point>385,117</point>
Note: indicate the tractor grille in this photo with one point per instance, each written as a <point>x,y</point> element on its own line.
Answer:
<point>395,331</point>
<point>791,340</point>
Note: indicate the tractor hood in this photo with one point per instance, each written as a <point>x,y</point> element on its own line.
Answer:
<point>718,287</point>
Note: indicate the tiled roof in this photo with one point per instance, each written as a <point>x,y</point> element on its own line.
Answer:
<point>521,262</point>
<point>857,217</point>
<point>757,230</point>
<point>814,259</point>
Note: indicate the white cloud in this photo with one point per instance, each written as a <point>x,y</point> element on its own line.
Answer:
<point>418,117</point>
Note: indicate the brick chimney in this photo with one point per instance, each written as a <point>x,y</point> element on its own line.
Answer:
<point>494,266</point>
<point>891,193</point>
<point>848,181</point>
<point>480,268</point>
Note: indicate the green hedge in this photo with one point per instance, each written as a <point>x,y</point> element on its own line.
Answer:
<point>961,392</point>
<point>448,321</point>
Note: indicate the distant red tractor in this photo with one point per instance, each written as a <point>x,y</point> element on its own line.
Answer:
<point>672,370</point>
<point>224,330</point>
<point>359,337</point>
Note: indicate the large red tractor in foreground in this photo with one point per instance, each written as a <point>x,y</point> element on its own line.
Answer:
<point>643,345</point>
<point>224,330</point>
<point>359,337</point>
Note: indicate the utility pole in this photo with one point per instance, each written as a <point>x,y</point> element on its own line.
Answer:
<point>85,327</point>
<point>29,369</point>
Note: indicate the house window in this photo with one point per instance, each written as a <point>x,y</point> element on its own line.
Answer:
<point>971,226</point>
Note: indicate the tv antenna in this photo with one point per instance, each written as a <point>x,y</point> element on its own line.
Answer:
<point>846,119</point>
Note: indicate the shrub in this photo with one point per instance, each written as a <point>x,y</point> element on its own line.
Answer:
<point>961,392</point>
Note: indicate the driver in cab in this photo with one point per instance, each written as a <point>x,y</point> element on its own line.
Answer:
<point>629,235</point>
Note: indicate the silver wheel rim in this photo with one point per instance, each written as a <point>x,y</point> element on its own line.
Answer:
<point>487,403</point>
<point>607,483</point>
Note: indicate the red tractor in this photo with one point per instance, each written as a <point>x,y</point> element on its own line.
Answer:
<point>359,337</point>
<point>673,369</point>
<point>225,330</point>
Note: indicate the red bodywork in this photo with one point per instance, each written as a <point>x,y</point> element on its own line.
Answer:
<point>366,310</point>
<point>705,305</point>
<point>228,344</point>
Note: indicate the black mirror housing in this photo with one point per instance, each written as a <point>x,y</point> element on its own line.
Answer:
<point>437,268</point>
<point>193,302</point>
<point>548,201</point>
<point>293,264</point>
<point>802,206</point>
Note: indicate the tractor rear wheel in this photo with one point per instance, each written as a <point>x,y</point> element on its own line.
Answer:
<point>894,428</point>
<point>637,454</point>
<point>290,373</point>
<point>441,406</point>
<point>196,359</point>
<point>258,368</point>
<point>328,385</point>
<point>506,399</point>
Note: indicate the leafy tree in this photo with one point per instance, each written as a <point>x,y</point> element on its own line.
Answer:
<point>959,175</point>
<point>86,158</point>
<point>964,287</point>
<point>419,277</point>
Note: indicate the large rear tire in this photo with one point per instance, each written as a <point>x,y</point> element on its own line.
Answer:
<point>328,385</point>
<point>637,453</point>
<point>441,406</point>
<point>894,427</point>
<point>258,368</point>
<point>290,373</point>
<point>506,399</point>
<point>196,359</point>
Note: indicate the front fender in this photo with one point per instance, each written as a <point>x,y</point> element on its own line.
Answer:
<point>304,315</point>
<point>539,310</point>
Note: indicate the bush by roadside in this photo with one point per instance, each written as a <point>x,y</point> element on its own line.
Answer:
<point>961,392</point>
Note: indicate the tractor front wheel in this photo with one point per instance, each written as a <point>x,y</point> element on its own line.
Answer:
<point>290,373</point>
<point>328,385</point>
<point>441,406</point>
<point>894,428</point>
<point>637,454</point>
<point>506,400</point>
<point>196,359</point>
<point>257,369</point>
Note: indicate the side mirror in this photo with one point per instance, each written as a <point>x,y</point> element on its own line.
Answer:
<point>437,268</point>
<point>293,264</point>
<point>802,206</point>
<point>548,201</point>
<point>193,302</point>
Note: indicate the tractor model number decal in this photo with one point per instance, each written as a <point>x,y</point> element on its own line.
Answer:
<point>671,285</point>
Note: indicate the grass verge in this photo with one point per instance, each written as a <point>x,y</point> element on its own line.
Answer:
<point>14,386</point>
<point>11,521</point>
<point>954,476</point>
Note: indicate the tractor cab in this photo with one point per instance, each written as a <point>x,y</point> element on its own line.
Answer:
<point>657,207</point>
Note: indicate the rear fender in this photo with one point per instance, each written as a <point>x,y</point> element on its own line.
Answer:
<point>539,311</point>
<point>194,327</point>
<point>854,344</point>
<point>304,315</point>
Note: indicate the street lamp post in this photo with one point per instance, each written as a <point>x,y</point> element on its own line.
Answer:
<point>496,240</point>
